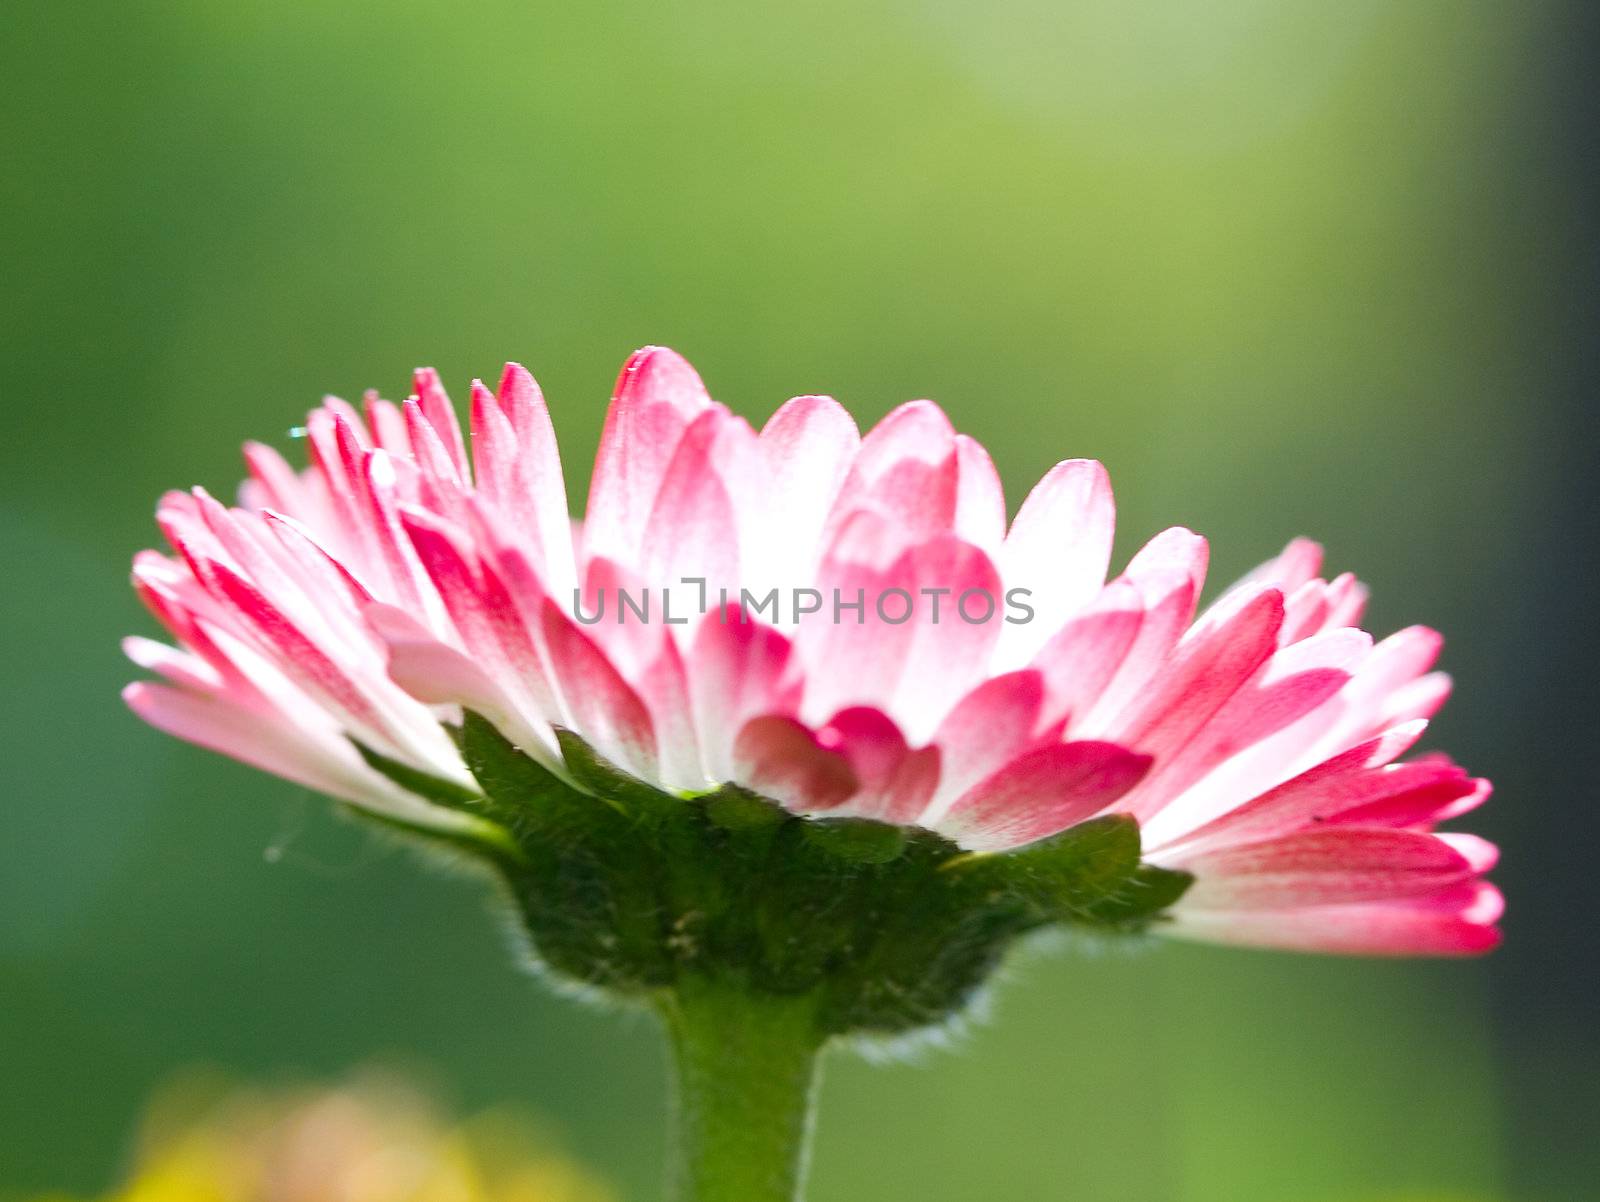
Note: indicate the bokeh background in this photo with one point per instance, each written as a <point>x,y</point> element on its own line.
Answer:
<point>1287,267</point>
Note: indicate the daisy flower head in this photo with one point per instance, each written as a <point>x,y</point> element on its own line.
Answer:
<point>799,706</point>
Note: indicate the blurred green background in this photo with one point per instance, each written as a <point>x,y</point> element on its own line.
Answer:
<point>1287,268</point>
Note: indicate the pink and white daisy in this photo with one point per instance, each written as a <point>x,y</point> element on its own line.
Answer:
<point>400,580</point>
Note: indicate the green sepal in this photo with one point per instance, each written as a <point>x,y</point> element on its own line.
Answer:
<point>1062,877</point>
<point>480,839</point>
<point>599,777</point>
<point>626,887</point>
<point>1141,898</point>
<point>481,836</point>
<point>589,896</point>
<point>859,840</point>
<point>511,780</point>
<point>736,809</point>
<point>424,784</point>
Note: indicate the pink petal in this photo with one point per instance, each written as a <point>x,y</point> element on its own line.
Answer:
<point>980,516</point>
<point>1449,795</point>
<point>1042,792</point>
<point>442,480</point>
<point>908,649</point>
<point>1259,737</point>
<point>1456,921</point>
<point>738,668</point>
<point>302,659</point>
<point>1297,564</point>
<point>1083,657</point>
<point>625,616</point>
<point>239,537</point>
<point>311,631</point>
<point>335,453</point>
<point>441,420</point>
<point>1347,601</point>
<point>605,709</point>
<point>345,413</point>
<point>388,425</point>
<point>1349,780</point>
<point>338,593</point>
<point>946,657</point>
<point>380,495</point>
<point>1422,698</point>
<point>1174,550</point>
<point>895,782</point>
<point>858,567</point>
<point>218,725</point>
<point>1305,612</point>
<point>523,402</point>
<point>1210,665</point>
<point>1058,547</point>
<point>1167,575</point>
<point>494,447</point>
<point>692,530</point>
<point>488,621</point>
<point>1479,853</point>
<point>1323,867</point>
<point>664,686</point>
<point>437,674</point>
<point>278,486</point>
<point>807,449</point>
<point>908,469</point>
<point>657,396</point>
<point>779,757</point>
<point>252,680</point>
<point>988,728</point>
<point>180,667</point>
<point>916,430</point>
<point>1392,686</point>
<point>430,670</point>
<point>535,490</point>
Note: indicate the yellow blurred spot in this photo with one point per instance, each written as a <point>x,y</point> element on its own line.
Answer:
<point>376,1139</point>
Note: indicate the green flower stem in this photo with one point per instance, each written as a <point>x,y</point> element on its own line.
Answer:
<point>745,1079</point>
